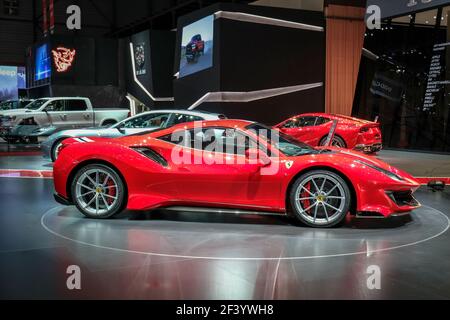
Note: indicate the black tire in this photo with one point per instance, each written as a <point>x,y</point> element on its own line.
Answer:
<point>53,151</point>
<point>336,140</point>
<point>33,140</point>
<point>10,140</point>
<point>313,217</point>
<point>115,208</point>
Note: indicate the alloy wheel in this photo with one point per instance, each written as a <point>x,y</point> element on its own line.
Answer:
<point>97,192</point>
<point>337,143</point>
<point>320,199</point>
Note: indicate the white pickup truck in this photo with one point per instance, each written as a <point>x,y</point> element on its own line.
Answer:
<point>46,116</point>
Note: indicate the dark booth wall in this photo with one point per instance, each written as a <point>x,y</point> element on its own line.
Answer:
<point>153,59</point>
<point>250,56</point>
<point>93,73</point>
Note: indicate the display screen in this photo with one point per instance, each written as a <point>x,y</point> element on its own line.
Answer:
<point>42,63</point>
<point>21,78</point>
<point>11,79</point>
<point>197,46</point>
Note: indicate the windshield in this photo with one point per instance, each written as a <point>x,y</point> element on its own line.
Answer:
<point>36,104</point>
<point>287,145</point>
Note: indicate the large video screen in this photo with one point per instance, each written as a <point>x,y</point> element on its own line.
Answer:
<point>197,46</point>
<point>43,67</point>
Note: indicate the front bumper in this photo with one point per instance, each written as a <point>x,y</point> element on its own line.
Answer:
<point>60,199</point>
<point>388,200</point>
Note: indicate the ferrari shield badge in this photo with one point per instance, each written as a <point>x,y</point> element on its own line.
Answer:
<point>288,164</point>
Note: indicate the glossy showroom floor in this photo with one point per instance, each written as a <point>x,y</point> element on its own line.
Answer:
<point>168,255</point>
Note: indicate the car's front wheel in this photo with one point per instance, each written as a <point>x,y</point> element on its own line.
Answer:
<point>98,191</point>
<point>320,198</point>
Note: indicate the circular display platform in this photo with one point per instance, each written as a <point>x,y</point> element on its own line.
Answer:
<point>212,236</point>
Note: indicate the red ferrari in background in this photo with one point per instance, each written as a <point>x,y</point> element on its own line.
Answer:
<point>351,133</point>
<point>144,171</point>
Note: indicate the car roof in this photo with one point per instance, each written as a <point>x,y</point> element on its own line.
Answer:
<point>184,111</point>
<point>332,116</point>
<point>20,99</point>
<point>53,98</point>
<point>228,123</point>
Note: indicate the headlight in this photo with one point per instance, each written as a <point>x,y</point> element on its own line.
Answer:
<point>41,130</point>
<point>386,172</point>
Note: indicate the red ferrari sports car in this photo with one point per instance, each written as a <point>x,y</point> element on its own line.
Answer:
<point>351,133</point>
<point>234,165</point>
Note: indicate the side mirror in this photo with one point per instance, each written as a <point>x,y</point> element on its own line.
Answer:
<point>257,156</point>
<point>120,128</point>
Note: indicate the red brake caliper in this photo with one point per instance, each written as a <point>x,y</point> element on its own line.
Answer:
<point>111,191</point>
<point>306,203</point>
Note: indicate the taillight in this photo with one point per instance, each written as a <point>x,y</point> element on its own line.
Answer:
<point>367,127</point>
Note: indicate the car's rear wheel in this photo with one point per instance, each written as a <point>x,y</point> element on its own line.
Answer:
<point>98,191</point>
<point>320,198</point>
<point>336,142</point>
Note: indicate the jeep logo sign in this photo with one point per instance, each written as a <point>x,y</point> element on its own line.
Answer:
<point>393,8</point>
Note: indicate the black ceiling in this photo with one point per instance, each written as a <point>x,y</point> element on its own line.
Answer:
<point>164,18</point>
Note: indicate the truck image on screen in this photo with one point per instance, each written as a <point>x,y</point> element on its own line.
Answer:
<point>195,48</point>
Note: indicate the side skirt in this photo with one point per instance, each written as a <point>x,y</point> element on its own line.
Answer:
<point>221,210</point>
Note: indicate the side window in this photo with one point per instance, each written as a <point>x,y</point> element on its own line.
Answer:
<point>55,105</point>
<point>223,140</point>
<point>322,120</point>
<point>293,123</point>
<point>76,105</point>
<point>152,120</point>
<point>306,121</point>
<point>178,118</point>
<point>6,106</point>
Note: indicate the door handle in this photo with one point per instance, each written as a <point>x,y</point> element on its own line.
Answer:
<point>64,117</point>
<point>87,115</point>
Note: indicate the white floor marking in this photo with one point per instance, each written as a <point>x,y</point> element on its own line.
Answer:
<point>366,252</point>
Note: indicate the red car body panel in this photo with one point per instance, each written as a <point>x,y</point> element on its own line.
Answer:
<point>356,133</point>
<point>241,186</point>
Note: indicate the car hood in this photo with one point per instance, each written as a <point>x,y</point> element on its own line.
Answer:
<point>89,132</point>
<point>13,112</point>
<point>349,156</point>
